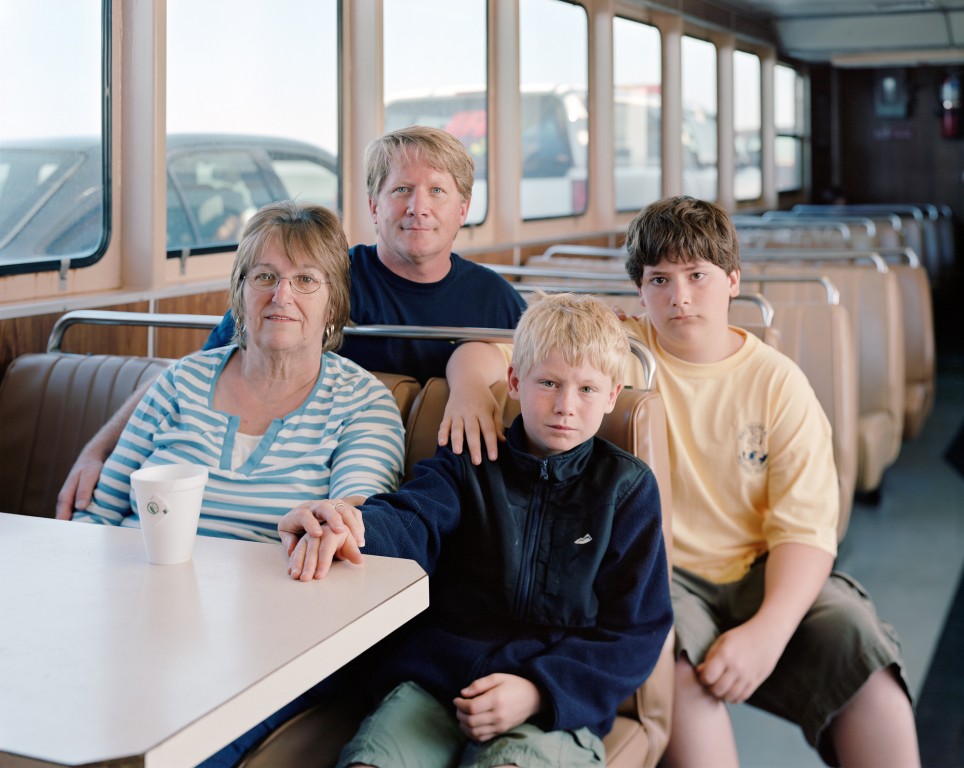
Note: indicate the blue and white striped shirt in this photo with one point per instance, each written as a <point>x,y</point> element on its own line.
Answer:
<point>345,439</point>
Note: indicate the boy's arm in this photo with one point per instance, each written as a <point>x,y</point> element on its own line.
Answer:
<point>743,657</point>
<point>409,523</point>
<point>78,489</point>
<point>472,415</point>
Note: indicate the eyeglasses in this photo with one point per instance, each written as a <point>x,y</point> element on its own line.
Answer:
<point>268,281</point>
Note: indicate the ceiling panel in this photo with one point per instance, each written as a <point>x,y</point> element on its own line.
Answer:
<point>870,32</point>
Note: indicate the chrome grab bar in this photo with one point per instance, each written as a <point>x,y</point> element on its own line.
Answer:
<point>440,333</point>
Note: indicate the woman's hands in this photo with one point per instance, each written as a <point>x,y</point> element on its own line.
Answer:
<point>316,532</point>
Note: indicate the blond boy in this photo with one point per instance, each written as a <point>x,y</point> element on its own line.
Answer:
<point>549,596</point>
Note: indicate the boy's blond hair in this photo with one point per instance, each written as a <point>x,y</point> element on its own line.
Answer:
<point>581,327</point>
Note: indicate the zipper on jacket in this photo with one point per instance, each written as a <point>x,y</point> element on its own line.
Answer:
<point>532,535</point>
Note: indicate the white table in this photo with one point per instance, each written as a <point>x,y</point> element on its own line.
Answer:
<point>105,657</point>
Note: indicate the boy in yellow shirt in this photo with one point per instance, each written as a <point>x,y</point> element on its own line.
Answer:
<point>760,617</point>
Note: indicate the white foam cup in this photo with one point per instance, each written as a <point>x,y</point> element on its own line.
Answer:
<point>169,506</point>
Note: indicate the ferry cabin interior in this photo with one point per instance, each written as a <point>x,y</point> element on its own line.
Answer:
<point>856,102</point>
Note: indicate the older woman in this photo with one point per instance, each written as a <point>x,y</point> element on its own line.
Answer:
<point>277,417</point>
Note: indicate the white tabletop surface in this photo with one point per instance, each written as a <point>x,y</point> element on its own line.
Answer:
<point>105,657</point>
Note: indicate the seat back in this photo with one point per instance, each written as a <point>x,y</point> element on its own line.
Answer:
<point>920,356</point>
<point>52,404</point>
<point>872,299</point>
<point>404,389</point>
<point>819,338</point>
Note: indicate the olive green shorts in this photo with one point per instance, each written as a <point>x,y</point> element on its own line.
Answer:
<point>839,644</point>
<point>411,729</point>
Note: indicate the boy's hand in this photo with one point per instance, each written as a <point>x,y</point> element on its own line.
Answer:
<point>739,661</point>
<point>495,704</point>
<point>314,533</point>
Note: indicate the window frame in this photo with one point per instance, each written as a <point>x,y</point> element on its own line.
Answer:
<point>65,263</point>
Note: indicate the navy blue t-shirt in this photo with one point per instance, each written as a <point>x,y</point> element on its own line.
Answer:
<point>468,296</point>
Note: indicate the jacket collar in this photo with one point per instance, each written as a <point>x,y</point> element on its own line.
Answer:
<point>560,468</point>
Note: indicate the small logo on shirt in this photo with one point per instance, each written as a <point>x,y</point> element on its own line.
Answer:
<point>752,448</point>
<point>583,539</point>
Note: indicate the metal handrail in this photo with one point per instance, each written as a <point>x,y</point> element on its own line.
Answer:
<point>766,309</point>
<point>904,253</point>
<point>561,272</point>
<point>845,219</point>
<point>758,222</point>
<point>814,254</point>
<point>585,250</point>
<point>833,293</point>
<point>112,317</point>
<point>761,302</point>
<point>428,332</point>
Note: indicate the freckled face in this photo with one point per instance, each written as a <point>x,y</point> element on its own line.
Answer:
<point>417,213</point>
<point>562,405</point>
<point>282,319</point>
<point>688,304</point>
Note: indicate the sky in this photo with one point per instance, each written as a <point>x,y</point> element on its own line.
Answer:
<point>256,67</point>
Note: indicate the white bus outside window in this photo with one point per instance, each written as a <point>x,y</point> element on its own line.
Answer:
<point>554,75</point>
<point>747,135</point>
<point>451,91</point>
<point>637,101</point>
<point>700,164</point>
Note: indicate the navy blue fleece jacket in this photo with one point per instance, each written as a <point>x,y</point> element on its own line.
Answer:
<point>551,569</point>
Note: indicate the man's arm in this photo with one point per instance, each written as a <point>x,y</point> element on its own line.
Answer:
<point>742,658</point>
<point>472,414</point>
<point>78,488</point>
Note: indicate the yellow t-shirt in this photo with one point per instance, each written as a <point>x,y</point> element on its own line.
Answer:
<point>750,454</point>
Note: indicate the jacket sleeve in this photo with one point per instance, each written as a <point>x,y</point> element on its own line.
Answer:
<point>412,521</point>
<point>586,675</point>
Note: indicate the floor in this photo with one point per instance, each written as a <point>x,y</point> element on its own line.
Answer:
<point>908,551</point>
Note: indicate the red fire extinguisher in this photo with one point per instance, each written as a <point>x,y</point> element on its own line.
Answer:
<point>951,106</point>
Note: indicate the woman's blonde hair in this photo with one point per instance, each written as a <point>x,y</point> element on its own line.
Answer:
<point>581,327</point>
<point>433,147</point>
<point>310,235</point>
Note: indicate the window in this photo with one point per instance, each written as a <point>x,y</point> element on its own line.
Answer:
<point>788,121</point>
<point>637,81</point>
<point>446,90</point>
<point>252,113</point>
<point>53,149</point>
<point>553,74</point>
<point>747,136</point>
<point>699,118</point>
